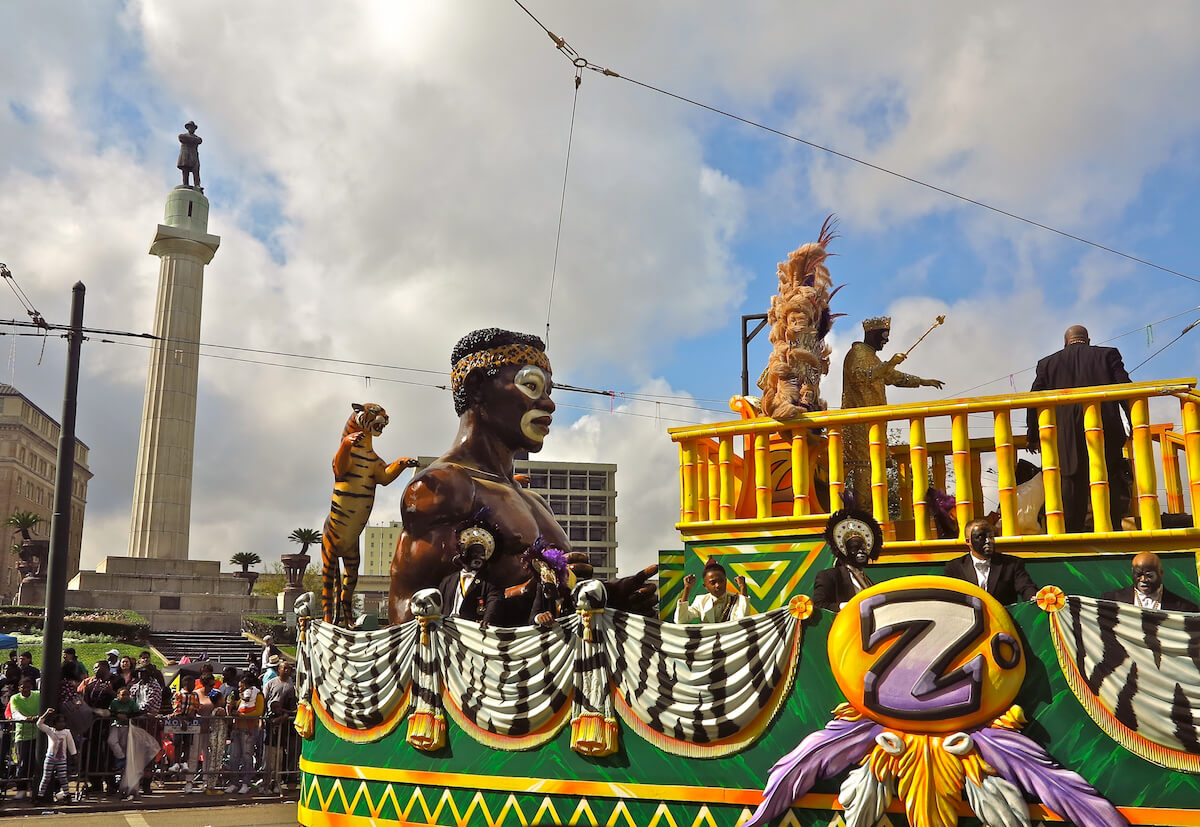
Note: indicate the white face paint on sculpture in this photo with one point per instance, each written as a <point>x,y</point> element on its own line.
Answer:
<point>531,381</point>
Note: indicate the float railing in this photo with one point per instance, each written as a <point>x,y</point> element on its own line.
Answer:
<point>792,473</point>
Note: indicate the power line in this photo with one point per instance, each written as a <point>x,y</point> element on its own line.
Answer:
<point>1129,332</point>
<point>562,204</point>
<point>581,63</point>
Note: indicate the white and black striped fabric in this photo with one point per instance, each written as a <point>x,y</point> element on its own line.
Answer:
<point>701,682</point>
<point>359,677</point>
<point>507,681</point>
<point>1137,672</point>
<point>679,686</point>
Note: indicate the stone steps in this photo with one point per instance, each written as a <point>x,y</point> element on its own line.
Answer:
<point>223,648</point>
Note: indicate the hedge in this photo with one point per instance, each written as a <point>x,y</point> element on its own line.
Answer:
<point>122,624</point>
<point>273,625</point>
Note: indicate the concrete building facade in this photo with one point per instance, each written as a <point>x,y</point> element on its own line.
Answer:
<point>28,462</point>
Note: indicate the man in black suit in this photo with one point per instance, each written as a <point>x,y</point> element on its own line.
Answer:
<point>856,540</point>
<point>1147,589</point>
<point>1078,365</point>
<point>1000,575</point>
<point>467,593</point>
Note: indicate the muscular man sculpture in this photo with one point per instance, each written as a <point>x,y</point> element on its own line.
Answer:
<point>864,381</point>
<point>189,154</point>
<point>501,383</point>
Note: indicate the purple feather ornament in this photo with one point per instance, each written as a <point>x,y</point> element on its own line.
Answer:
<point>1021,761</point>
<point>823,754</point>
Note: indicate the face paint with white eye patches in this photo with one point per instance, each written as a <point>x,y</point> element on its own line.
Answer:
<point>533,382</point>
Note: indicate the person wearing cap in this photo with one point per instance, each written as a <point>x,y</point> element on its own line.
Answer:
<point>717,604</point>
<point>72,666</point>
<point>269,649</point>
<point>855,539</point>
<point>114,657</point>
<point>865,378</point>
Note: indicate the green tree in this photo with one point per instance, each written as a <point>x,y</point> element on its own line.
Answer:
<point>245,559</point>
<point>305,537</point>
<point>272,583</point>
<point>24,522</point>
<point>312,580</point>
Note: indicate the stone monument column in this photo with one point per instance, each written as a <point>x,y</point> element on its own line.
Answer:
<point>162,494</point>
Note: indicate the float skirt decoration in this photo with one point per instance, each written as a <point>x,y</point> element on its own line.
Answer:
<point>1137,674</point>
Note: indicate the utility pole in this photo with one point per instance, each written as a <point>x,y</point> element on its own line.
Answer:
<point>60,522</point>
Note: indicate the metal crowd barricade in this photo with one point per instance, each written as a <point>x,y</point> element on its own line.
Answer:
<point>19,770</point>
<point>263,754</point>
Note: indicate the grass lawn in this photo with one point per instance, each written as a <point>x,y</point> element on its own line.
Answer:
<point>89,653</point>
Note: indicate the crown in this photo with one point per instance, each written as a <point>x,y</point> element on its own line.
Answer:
<point>877,323</point>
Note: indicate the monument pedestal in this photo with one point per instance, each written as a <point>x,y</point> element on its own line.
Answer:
<point>174,595</point>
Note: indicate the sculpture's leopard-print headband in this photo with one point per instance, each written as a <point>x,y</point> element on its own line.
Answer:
<point>496,357</point>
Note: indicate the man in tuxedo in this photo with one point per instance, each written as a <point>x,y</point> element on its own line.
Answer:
<point>467,593</point>
<point>1000,575</point>
<point>1147,589</point>
<point>856,540</point>
<point>1078,365</point>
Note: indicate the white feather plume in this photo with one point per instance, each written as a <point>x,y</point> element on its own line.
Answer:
<point>997,803</point>
<point>864,797</point>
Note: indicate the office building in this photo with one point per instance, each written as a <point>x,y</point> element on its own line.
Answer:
<point>28,459</point>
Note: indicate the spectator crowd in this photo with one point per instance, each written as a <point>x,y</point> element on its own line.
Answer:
<point>121,728</point>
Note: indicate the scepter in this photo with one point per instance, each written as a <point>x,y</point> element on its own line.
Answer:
<point>937,322</point>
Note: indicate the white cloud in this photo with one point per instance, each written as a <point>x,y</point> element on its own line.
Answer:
<point>634,438</point>
<point>386,177</point>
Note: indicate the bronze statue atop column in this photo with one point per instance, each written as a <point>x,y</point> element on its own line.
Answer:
<point>189,154</point>
<point>864,381</point>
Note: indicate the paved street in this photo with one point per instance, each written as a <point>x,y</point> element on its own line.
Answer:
<point>249,815</point>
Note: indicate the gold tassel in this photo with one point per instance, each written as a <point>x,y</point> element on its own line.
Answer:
<point>305,721</point>
<point>594,735</point>
<point>424,624</point>
<point>426,731</point>
<point>586,615</point>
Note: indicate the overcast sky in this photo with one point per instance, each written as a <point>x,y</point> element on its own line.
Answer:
<point>386,176</point>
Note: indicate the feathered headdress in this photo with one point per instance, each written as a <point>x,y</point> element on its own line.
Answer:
<point>849,521</point>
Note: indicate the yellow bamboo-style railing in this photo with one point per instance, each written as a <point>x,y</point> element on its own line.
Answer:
<point>771,481</point>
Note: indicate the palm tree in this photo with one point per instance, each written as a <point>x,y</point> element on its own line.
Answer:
<point>305,537</point>
<point>245,559</point>
<point>24,522</point>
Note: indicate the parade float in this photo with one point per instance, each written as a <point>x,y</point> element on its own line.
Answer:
<point>922,701</point>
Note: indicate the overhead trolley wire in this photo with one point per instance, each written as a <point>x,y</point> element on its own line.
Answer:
<point>124,334</point>
<point>582,63</point>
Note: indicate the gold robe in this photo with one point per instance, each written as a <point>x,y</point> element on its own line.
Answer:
<point>864,381</point>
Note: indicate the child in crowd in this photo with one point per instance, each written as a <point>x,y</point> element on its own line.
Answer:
<point>61,747</point>
<point>122,708</point>
<point>185,708</point>
<point>247,708</point>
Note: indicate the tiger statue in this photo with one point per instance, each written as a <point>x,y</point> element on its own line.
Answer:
<point>357,469</point>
